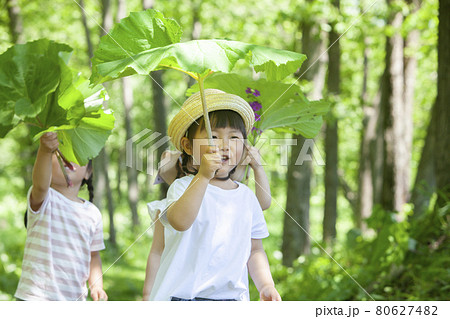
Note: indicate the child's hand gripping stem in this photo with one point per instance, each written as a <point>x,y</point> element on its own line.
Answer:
<point>210,163</point>
<point>49,143</point>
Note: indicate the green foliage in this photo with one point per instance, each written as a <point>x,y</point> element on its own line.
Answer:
<point>196,58</point>
<point>137,33</point>
<point>38,88</point>
<point>29,74</point>
<point>283,105</point>
<point>402,260</point>
<point>152,44</point>
<point>421,272</point>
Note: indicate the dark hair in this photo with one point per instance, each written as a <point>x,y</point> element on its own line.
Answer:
<point>218,119</point>
<point>88,182</point>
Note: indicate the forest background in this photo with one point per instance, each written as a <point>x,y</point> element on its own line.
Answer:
<point>369,222</point>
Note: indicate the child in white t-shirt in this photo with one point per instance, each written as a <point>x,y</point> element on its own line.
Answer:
<point>213,226</point>
<point>171,169</point>
<point>64,232</point>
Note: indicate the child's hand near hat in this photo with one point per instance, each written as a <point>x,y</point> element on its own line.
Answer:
<point>253,157</point>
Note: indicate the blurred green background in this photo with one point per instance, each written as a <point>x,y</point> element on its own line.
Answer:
<point>398,255</point>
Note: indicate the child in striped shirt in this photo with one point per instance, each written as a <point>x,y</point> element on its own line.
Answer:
<point>64,232</point>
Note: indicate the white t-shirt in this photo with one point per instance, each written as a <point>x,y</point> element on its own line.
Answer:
<point>60,238</point>
<point>209,260</point>
<point>156,207</point>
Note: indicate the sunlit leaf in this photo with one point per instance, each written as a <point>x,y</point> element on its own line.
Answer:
<point>114,58</point>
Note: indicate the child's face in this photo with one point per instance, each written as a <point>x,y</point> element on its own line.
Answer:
<point>230,143</point>
<point>76,176</point>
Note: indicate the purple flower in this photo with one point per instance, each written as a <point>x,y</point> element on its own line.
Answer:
<point>257,117</point>
<point>248,91</point>
<point>258,131</point>
<point>256,93</point>
<point>256,106</point>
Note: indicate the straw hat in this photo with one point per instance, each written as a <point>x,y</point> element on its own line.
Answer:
<point>215,100</point>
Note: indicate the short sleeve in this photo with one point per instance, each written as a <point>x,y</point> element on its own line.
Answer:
<point>44,203</point>
<point>97,241</point>
<point>156,207</point>
<point>175,191</point>
<point>259,226</point>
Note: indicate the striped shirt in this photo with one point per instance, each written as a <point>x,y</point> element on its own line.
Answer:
<point>60,238</point>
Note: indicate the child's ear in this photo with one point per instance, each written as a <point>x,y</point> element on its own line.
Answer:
<point>186,145</point>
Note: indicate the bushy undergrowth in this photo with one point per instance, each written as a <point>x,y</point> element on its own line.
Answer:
<point>402,260</point>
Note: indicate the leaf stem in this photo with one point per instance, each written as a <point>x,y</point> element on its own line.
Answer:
<point>205,110</point>
<point>37,118</point>
<point>181,70</point>
<point>210,72</point>
<point>61,165</point>
<point>68,164</point>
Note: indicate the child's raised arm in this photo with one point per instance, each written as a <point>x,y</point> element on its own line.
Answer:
<point>182,213</point>
<point>42,170</point>
<point>262,187</point>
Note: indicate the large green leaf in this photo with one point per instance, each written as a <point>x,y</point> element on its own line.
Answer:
<point>303,118</point>
<point>38,88</point>
<point>86,139</point>
<point>283,105</point>
<point>29,73</point>
<point>113,59</point>
<point>139,32</point>
<point>83,128</point>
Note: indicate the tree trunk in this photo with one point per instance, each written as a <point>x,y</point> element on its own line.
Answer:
<point>196,28</point>
<point>442,150</point>
<point>425,182</point>
<point>368,137</point>
<point>15,21</point>
<point>90,50</point>
<point>411,45</point>
<point>127,98</point>
<point>26,145</point>
<point>107,17</point>
<point>349,194</point>
<point>376,146</point>
<point>159,107</point>
<point>331,139</point>
<point>101,178</point>
<point>160,118</point>
<point>120,168</point>
<point>296,240</point>
<point>331,181</point>
<point>132,189</point>
<point>397,149</point>
<point>147,4</point>
<point>102,187</point>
